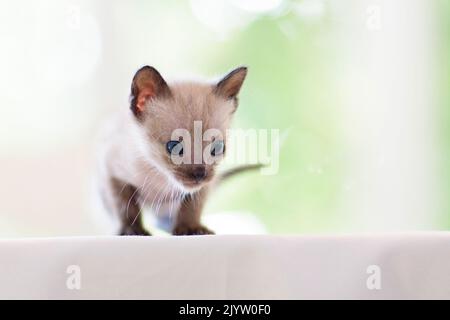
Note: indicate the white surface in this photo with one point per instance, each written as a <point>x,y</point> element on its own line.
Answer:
<point>413,266</point>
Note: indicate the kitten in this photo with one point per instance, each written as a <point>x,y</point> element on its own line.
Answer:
<point>140,159</point>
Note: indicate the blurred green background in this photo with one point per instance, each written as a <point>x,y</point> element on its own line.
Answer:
<point>358,89</point>
<point>289,87</point>
<point>444,101</point>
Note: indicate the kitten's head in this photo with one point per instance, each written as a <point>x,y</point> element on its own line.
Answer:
<point>183,125</point>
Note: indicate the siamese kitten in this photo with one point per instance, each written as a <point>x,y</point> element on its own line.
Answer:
<point>141,151</point>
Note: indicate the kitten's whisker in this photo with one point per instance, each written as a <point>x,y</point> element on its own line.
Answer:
<point>134,175</point>
<point>171,201</point>
<point>144,203</point>
<point>154,199</point>
<point>140,208</point>
<point>131,198</point>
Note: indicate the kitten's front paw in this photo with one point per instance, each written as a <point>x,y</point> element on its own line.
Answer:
<point>133,231</point>
<point>188,230</point>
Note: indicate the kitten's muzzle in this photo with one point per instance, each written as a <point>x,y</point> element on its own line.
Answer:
<point>198,174</point>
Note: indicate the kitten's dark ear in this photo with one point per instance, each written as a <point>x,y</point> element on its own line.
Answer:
<point>147,84</point>
<point>230,85</point>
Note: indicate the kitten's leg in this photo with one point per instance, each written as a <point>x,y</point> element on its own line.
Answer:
<point>125,201</point>
<point>188,218</point>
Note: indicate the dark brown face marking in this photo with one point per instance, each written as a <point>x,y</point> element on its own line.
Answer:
<point>194,175</point>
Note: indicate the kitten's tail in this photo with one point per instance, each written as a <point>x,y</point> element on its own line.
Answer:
<point>232,172</point>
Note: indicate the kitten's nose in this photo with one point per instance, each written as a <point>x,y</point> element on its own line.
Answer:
<point>198,173</point>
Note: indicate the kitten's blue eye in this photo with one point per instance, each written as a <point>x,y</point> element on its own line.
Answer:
<point>217,148</point>
<point>174,147</point>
